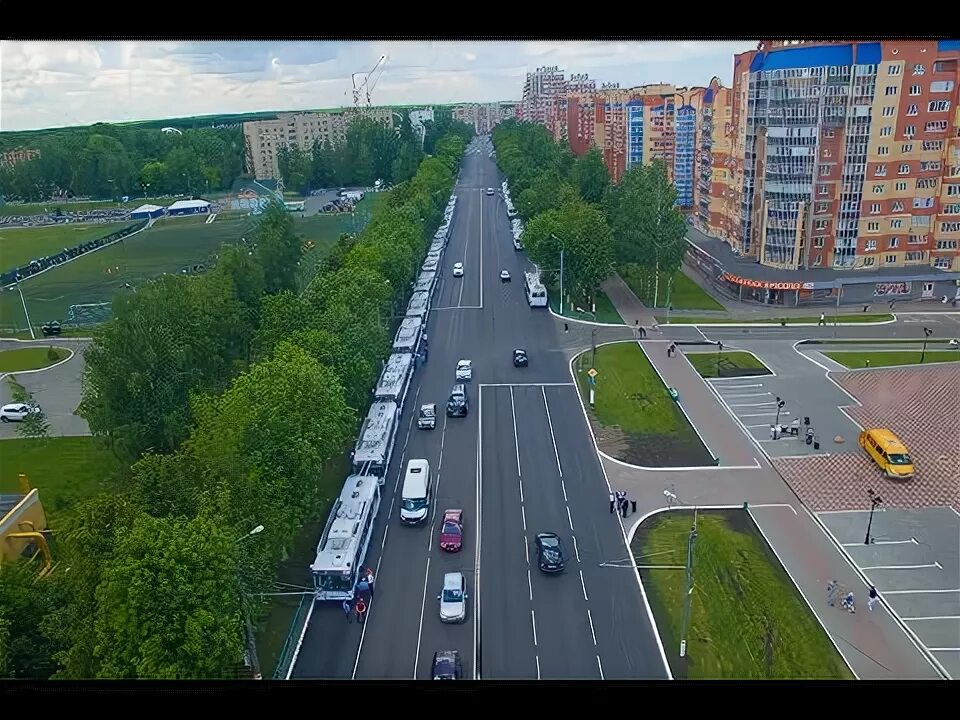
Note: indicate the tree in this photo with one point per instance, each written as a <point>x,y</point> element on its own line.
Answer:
<point>278,248</point>
<point>546,192</point>
<point>169,604</point>
<point>25,600</point>
<point>169,485</point>
<point>34,425</point>
<point>591,176</point>
<point>296,168</point>
<point>581,230</point>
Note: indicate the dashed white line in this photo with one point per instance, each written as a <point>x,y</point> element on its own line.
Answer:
<point>533,620</point>
<point>600,667</point>
<point>529,585</point>
<point>569,519</point>
<point>583,585</point>
<point>576,549</point>
<point>516,441</point>
<point>904,567</point>
<point>526,550</point>
<point>911,541</point>
<point>538,666</point>
<point>917,592</point>
<point>553,437</point>
<point>592,633</point>
<point>523,514</point>
<point>931,617</point>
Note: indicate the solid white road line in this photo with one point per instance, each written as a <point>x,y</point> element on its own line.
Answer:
<point>919,592</point>
<point>931,617</point>
<point>516,441</point>
<point>478,531</point>
<point>903,567</point>
<point>912,541</point>
<point>760,404</point>
<point>423,605</point>
<point>553,438</point>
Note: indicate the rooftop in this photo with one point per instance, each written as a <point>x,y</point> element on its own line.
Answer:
<point>147,209</point>
<point>187,204</point>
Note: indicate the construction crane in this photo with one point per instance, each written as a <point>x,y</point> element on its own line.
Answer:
<point>363,89</point>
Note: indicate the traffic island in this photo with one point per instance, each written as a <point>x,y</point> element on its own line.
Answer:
<point>31,358</point>
<point>745,619</point>
<point>891,358</point>
<point>633,416</point>
<point>727,364</point>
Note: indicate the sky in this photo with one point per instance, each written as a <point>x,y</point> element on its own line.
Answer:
<point>52,84</point>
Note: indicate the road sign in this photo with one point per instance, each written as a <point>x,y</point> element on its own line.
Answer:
<point>592,372</point>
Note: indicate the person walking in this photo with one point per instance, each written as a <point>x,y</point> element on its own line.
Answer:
<point>872,598</point>
<point>348,610</point>
<point>368,573</point>
<point>624,506</point>
<point>823,319</point>
<point>832,593</point>
<point>613,500</point>
<point>361,608</point>
<point>849,602</point>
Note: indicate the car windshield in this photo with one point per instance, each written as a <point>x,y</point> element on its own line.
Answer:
<point>426,412</point>
<point>450,528</point>
<point>900,459</point>
<point>414,503</point>
<point>452,596</point>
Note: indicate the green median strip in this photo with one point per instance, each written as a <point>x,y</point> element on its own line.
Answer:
<point>891,358</point>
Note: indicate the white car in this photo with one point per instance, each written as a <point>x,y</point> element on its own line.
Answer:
<point>489,191</point>
<point>505,275</point>
<point>458,269</point>
<point>453,598</point>
<point>15,412</point>
<point>464,371</point>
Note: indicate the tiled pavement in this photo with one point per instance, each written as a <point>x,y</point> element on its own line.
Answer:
<point>920,406</point>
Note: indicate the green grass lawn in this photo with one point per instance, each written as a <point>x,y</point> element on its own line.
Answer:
<point>71,206</point>
<point>278,623</point>
<point>684,293</point>
<point>64,469</point>
<point>606,312</point>
<point>171,245</point>
<point>892,357</point>
<point>747,621</point>
<point>851,319</point>
<point>29,358</point>
<point>19,246</point>
<point>732,364</point>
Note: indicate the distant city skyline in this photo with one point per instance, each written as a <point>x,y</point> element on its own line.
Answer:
<point>53,84</point>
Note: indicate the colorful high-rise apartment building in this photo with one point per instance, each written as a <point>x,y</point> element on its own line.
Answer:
<point>846,155</point>
<point>715,192</point>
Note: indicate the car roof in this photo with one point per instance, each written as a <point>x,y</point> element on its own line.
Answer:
<point>464,361</point>
<point>454,514</point>
<point>452,580</point>
<point>547,535</point>
<point>520,350</point>
<point>446,655</point>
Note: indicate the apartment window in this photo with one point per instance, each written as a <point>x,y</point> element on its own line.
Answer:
<point>822,207</point>
<point>954,171</point>
<point>930,165</point>
<point>932,145</point>
<point>891,90</point>
<point>953,189</point>
<point>873,227</point>
<point>951,209</point>
<point>915,90</point>
<point>829,133</point>
<point>912,110</point>
<point>946,244</point>
<point>900,186</point>
<point>942,263</point>
<point>889,259</point>
<point>949,227</point>
<point>874,208</point>
<point>936,126</point>
<point>886,131</point>
<point>822,190</point>
<point>878,189</point>
<point>871,245</point>
<point>896,224</point>
<point>824,170</point>
<point>821,224</point>
<point>818,242</point>
<point>894,69</point>
<point>894,243</point>
<point>917,239</point>
<point>914,256</point>
<point>827,152</point>
<point>880,171</point>
<point>918,70</point>
<point>889,111</point>
<point>818,260</point>
<point>908,132</point>
<point>920,220</point>
<point>926,183</point>
<point>939,86</point>
<point>938,106</point>
<point>883,150</point>
<point>904,169</point>
<point>922,202</point>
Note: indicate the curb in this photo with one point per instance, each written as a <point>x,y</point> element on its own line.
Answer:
<point>778,325</point>
<point>68,358</point>
<point>584,322</point>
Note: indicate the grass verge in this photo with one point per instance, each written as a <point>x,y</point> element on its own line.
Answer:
<point>606,312</point>
<point>64,469</point>
<point>30,358</point>
<point>19,246</point>
<point>851,319</point>
<point>747,620</point>
<point>278,621</point>
<point>892,358</point>
<point>730,364</point>
<point>635,419</point>
<point>684,293</point>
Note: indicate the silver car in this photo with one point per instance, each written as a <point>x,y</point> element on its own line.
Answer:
<point>453,598</point>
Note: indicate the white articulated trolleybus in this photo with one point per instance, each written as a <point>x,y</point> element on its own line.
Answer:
<point>345,539</point>
<point>419,305</point>
<point>408,335</point>
<point>371,456</point>
<point>536,292</point>
<point>395,378</point>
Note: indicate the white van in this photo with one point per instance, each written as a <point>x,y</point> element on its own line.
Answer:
<point>415,497</point>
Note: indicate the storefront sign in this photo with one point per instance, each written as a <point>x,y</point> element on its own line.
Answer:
<point>891,288</point>
<point>765,284</point>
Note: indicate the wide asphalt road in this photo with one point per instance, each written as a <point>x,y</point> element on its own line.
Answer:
<point>522,462</point>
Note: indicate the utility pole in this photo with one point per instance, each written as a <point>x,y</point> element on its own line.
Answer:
<point>561,280</point>
<point>874,501</point>
<point>927,332</point>
<point>33,335</point>
<point>688,594</point>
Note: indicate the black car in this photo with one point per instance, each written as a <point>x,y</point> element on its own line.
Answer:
<point>550,555</point>
<point>457,403</point>
<point>446,665</point>
<point>520,358</point>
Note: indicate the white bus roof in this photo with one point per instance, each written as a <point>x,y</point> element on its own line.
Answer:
<point>418,304</point>
<point>533,279</point>
<point>394,376</point>
<point>376,434</point>
<point>338,544</point>
<point>424,282</point>
<point>408,335</point>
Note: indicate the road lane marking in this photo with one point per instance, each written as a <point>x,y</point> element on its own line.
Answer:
<point>918,592</point>
<point>533,620</point>
<point>760,404</point>
<point>743,395</point>
<point>592,633</point>
<point>583,585</point>
<point>932,617</point>
<point>436,490</point>
<point>911,541</point>
<point>526,549</point>
<point>600,667</point>
<point>538,666</point>
<point>479,537</point>
<point>553,438</point>
<point>903,567</point>
<point>516,440</point>
<point>523,514</point>
<point>956,649</point>
<point>529,585</point>
<point>563,486</point>
<point>576,550</point>
<point>423,606</point>
<point>569,519</point>
<point>539,385</point>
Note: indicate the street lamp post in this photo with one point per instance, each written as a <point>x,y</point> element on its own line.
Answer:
<point>874,501</point>
<point>562,248</point>
<point>688,589</point>
<point>780,404</point>
<point>927,332</point>
<point>593,346</point>
<point>33,335</point>
<point>719,350</point>
<point>248,625</point>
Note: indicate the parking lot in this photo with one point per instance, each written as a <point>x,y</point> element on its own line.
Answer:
<point>914,562</point>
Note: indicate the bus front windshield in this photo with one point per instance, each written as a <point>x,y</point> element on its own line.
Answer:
<point>333,581</point>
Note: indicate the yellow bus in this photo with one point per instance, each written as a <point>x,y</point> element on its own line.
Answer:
<point>886,450</point>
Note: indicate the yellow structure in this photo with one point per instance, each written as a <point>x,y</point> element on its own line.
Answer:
<point>22,526</point>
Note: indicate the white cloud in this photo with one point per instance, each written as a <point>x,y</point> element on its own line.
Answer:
<point>44,84</point>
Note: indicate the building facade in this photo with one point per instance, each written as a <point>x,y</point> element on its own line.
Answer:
<point>845,156</point>
<point>484,117</point>
<point>264,138</point>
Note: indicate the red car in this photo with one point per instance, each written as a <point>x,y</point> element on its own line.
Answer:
<point>451,531</point>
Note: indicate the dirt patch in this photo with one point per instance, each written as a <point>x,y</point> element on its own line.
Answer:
<point>682,449</point>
